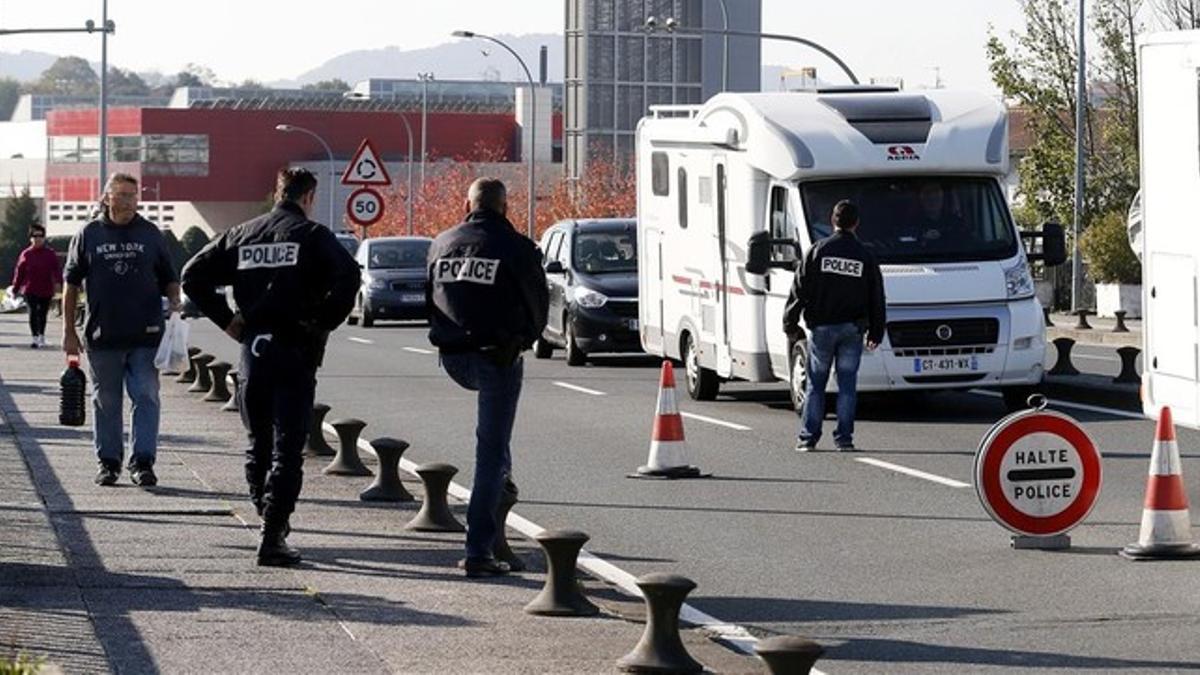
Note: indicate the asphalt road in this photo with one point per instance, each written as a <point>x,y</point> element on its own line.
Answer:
<point>890,571</point>
<point>1093,359</point>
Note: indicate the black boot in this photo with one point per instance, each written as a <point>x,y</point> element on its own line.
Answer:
<point>273,550</point>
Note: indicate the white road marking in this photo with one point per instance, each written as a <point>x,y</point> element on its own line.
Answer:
<point>582,390</point>
<point>913,472</point>
<point>736,636</point>
<point>711,420</point>
<point>1078,406</point>
<point>418,350</point>
<point>361,341</point>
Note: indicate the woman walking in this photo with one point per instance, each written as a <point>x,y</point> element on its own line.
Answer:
<point>34,279</point>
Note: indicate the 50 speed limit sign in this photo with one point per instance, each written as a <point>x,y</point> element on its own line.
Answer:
<point>364,207</point>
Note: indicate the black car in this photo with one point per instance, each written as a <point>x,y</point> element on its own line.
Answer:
<point>591,268</point>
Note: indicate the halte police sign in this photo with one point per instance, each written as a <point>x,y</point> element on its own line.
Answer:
<point>1037,473</point>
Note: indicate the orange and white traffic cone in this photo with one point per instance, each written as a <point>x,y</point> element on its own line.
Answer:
<point>668,449</point>
<point>1166,528</point>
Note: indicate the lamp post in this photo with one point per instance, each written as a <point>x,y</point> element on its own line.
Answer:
<point>724,47</point>
<point>532,117</point>
<point>425,78</point>
<point>1080,107</point>
<point>289,128</point>
<point>670,24</point>
<point>408,202</point>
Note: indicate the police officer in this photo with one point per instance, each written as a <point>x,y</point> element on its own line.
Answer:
<point>293,283</point>
<point>488,301</point>
<point>839,290</point>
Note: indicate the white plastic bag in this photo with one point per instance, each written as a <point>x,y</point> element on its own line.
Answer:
<point>172,353</point>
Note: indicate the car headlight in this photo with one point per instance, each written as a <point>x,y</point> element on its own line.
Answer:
<point>588,298</point>
<point>378,284</point>
<point>1018,281</point>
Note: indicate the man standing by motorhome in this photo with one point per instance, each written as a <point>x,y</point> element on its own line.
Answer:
<point>839,291</point>
<point>121,261</point>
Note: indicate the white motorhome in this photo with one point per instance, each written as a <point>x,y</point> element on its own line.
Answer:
<point>1169,117</point>
<point>731,193</point>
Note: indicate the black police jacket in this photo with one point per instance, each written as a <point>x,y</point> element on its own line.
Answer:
<point>838,282</point>
<point>487,289</point>
<point>290,276</point>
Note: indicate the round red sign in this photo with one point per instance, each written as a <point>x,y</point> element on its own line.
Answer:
<point>1037,473</point>
<point>364,207</point>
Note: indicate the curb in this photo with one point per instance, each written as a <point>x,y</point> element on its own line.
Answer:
<point>1095,336</point>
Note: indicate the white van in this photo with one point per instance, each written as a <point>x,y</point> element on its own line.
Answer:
<point>733,192</point>
<point>1169,118</point>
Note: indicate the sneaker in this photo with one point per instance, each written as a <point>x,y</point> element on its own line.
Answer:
<point>805,445</point>
<point>33,344</point>
<point>108,474</point>
<point>845,447</point>
<point>41,340</point>
<point>143,475</point>
<point>484,567</point>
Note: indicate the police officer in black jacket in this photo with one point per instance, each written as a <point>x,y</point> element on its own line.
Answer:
<point>839,290</point>
<point>488,300</point>
<point>293,283</point>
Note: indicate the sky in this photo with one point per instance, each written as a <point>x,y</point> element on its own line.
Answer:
<point>266,40</point>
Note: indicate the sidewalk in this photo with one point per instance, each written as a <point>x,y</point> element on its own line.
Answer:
<point>1101,332</point>
<point>128,580</point>
<point>1090,388</point>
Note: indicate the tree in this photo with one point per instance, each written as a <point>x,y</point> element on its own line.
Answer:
<point>1178,14</point>
<point>126,83</point>
<point>68,75</point>
<point>249,83</point>
<point>19,214</point>
<point>335,85</point>
<point>186,79</point>
<point>10,93</point>
<point>195,75</point>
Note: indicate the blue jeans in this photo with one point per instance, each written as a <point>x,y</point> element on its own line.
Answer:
<point>132,370</point>
<point>499,389</point>
<point>841,343</point>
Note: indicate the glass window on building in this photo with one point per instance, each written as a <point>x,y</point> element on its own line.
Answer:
<point>125,148</point>
<point>89,149</point>
<point>631,106</point>
<point>64,149</point>
<point>659,96</point>
<point>625,145</point>
<point>600,147</point>
<point>687,60</point>
<point>658,59</point>
<point>660,9</point>
<point>601,59</point>
<point>631,59</point>
<point>602,16</point>
<point>631,16</point>
<point>690,13</point>
<point>601,106</point>
<point>689,95</point>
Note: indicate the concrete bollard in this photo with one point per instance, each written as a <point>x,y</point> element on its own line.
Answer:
<point>189,376</point>
<point>387,486</point>
<point>1046,316</point>
<point>661,649</point>
<point>561,595</point>
<point>1128,374</point>
<point>788,655</point>
<point>500,548</point>
<point>1083,324</point>
<point>435,515</point>
<point>1120,327</point>
<point>219,391</point>
<point>347,462</point>
<point>232,404</point>
<point>317,446</point>
<point>203,378</point>
<point>1062,364</point>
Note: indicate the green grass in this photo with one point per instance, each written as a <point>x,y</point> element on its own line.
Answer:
<point>22,665</point>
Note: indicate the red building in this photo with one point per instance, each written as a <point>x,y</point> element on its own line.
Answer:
<point>214,166</point>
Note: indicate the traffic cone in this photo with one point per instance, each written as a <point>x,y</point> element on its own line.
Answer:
<point>1166,528</point>
<point>668,449</point>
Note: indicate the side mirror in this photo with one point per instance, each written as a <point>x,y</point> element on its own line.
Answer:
<point>555,267</point>
<point>758,253</point>
<point>1054,245</point>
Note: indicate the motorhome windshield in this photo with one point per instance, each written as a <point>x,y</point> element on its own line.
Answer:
<point>599,252</point>
<point>918,219</point>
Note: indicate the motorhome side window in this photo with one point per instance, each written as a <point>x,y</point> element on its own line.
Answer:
<point>782,224</point>
<point>683,198</point>
<point>660,174</point>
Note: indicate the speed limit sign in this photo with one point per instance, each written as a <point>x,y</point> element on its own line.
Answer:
<point>364,207</point>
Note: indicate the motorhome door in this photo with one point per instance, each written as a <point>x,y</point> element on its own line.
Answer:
<point>721,284</point>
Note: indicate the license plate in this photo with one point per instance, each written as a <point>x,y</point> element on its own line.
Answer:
<point>945,364</point>
<point>412,297</point>
<point>633,324</point>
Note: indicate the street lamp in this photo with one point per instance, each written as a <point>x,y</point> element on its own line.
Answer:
<point>532,115</point>
<point>289,128</point>
<point>425,79</point>
<point>408,202</point>
<point>724,47</point>
<point>670,24</point>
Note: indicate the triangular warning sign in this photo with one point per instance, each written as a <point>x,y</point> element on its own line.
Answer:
<point>366,168</point>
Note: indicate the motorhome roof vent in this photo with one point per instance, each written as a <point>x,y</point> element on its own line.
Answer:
<point>885,118</point>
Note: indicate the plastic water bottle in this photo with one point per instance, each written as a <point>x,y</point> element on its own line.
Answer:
<point>72,394</point>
